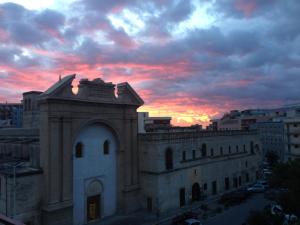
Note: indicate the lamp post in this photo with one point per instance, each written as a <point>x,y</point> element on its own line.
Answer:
<point>15,186</point>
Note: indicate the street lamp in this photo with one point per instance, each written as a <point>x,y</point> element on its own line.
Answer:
<point>14,166</point>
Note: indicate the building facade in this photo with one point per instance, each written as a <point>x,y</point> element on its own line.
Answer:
<point>11,115</point>
<point>292,138</point>
<point>180,168</point>
<point>271,135</point>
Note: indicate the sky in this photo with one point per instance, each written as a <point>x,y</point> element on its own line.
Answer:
<point>189,59</point>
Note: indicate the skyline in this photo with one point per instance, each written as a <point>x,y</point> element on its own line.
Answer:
<point>192,60</point>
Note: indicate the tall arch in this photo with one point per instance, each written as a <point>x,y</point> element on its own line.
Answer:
<point>196,193</point>
<point>92,199</point>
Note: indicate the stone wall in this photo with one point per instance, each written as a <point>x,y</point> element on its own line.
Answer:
<point>229,154</point>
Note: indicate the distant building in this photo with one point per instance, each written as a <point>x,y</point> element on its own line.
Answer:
<point>292,138</point>
<point>149,124</point>
<point>11,115</point>
<point>236,120</point>
<point>271,136</point>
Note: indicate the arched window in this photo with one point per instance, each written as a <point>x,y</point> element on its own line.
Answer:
<point>252,147</point>
<point>169,159</point>
<point>106,147</point>
<point>79,150</point>
<point>203,150</point>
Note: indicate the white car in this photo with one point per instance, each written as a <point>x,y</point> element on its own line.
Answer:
<point>256,188</point>
<point>192,222</point>
<point>290,219</point>
<point>276,209</point>
<point>263,182</point>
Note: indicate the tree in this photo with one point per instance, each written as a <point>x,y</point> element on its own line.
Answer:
<point>263,218</point>
<point>287,175</point>
<point>272,157</point>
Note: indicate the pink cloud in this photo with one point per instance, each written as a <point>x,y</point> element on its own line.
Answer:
<point>246,6</point>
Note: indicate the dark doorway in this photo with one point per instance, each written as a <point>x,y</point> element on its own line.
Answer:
<point>214,187</point>
<point>235,182</point>
<point>182,197</point>
<point>149,204</point>
<point>93,207</point>
<point>195,192</point>
<point>227,183</point>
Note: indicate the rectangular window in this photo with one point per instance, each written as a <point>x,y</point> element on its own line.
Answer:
<point>226,183</point>
<point>229,149</point>
<point>237,148</point>
<point>214,187</point>
<point>252,147</point>
<point>221,151</point>
<point>182,197</point>
<point>235,182</point>
<point>247,177</point>
<point>211,152</point>
<point>194,154</point>
<point>149,204</point>
<point>244,147</point>
<point>183,156</point>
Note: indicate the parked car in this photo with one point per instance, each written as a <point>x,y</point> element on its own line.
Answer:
<point>256,188</point>
<point>289,219</point>
<point>180,219</point>
<point>274,194</point>
<point>192,222</point>
<point>276,209</point>
<point>263,182</point>
<point>234,197</point>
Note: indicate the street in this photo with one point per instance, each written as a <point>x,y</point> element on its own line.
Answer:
<point>237,215</point>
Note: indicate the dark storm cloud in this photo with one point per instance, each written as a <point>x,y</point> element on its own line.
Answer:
<point>248,57</point>
<point>28,27</point>
<point>49,19</point>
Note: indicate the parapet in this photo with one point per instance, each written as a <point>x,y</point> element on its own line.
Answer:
<point>93,90</point>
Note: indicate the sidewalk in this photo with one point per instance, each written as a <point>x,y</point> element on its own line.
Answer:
<point>146,218</point>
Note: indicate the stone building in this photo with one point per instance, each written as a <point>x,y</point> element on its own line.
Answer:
<point>271,135</point>
<point>291,138</point>
<point>79,158</point>
<point>87,153</point>
<point>11,115</point>
<point>180,168</point>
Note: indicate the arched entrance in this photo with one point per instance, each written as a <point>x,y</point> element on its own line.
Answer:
<point>94,195</point>
<point>196,192</point>
<point>94,174</point>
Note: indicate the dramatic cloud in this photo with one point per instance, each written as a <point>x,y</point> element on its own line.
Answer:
<point>192,60</point>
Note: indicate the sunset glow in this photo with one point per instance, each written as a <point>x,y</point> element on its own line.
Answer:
<point>191,60</point>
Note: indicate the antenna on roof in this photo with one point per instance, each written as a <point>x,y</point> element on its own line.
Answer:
<point>59,77</point>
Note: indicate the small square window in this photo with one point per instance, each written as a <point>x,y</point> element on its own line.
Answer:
<point>183,156</point>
